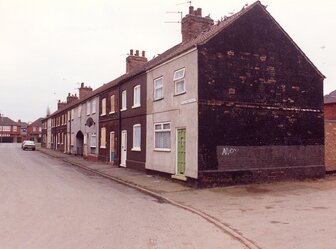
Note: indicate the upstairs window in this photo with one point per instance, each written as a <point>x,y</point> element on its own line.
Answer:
<point>123,101</point>
<point>158,88</point>
<point>112,104</point>
<point>103,104</point>
<point>14,128</point>
<point>88,109</point>
<point>136,94</point>
<point>179,81</point>
<point>79,110</point>
<point>93,106</point>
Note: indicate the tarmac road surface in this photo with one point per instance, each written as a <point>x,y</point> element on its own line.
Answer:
<point>46,203</point>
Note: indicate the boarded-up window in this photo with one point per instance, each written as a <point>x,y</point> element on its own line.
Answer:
<point>112,104</point>
<point>103,137</point>
<point>103,104</point>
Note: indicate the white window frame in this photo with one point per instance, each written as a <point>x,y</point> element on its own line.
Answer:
<point>103,104</point>
<point>136,96</point>
<point>136,147</point>
<point>113,104</point>
<point>93,140</point>
<point>15,128</point>
<point>123,101</point>
<point>156,88</point>
<point>93,106</point>
<point>178,79</point>
<point>88,108</point>
<point>162,130</point>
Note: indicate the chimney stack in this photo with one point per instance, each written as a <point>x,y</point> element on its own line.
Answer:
<point>193,24</point>
<point>134,61</point>
<point>84,90</point>
<point>71,98</point>
<point>60,104</point>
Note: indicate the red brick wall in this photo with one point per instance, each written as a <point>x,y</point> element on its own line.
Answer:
<point>330,111</point>
<point>330,145</point>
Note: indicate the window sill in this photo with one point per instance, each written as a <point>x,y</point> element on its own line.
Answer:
<point>103,114</point>
<point>162,150</point>
<point>135,106</point>
<point>158,99</point>
<point>178,94</point>
<point>123,110</point>
<point>111,112</point>
<point>93,147</point>
<point>103,147</point>
<point>136,149</point>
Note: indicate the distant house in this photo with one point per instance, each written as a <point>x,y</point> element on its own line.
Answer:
<point>34,131</point>
<point>330,131</point>
<point>23,128</point>
<point>236,101</point>
<point>10,131</point>
<point>84,124</point>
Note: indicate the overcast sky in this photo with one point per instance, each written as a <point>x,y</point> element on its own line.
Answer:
<point>48,47</point>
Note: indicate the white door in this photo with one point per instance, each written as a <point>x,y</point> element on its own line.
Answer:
<point>123,148</point>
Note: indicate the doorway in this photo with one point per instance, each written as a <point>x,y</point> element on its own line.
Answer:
<point>123,148</point>
<point>181,152</point>
<point>79,143</point>
<point>112,146</point>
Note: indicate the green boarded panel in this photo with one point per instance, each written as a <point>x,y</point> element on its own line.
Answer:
<point>181,150</point>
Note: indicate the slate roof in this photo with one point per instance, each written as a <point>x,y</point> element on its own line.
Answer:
<point>22,124</point>
<point>182,47</point>
<point>330,98</point>
<point>37,122</point>
<point>5,121</point>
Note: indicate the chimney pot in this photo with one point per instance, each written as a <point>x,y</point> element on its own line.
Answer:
<point>194,24</point>
<point>133,62</point>
<point>191,9</point>
<point>82,84</point>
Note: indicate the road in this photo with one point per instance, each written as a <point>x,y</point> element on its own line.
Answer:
<point>46,203</point>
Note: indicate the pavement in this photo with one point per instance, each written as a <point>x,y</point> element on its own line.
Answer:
<point>276,215</point>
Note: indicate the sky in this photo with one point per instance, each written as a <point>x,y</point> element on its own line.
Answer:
<point>48,47</point>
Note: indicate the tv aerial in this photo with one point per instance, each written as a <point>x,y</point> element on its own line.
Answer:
<point>178,12</point>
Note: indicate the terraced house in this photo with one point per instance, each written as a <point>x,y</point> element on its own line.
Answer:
<point>235,101</point>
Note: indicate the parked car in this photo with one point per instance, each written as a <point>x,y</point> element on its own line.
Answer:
<point>28,145</point>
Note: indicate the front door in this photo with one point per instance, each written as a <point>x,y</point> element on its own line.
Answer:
<point>112,148</point>
<point>123,148</point>
<point>181,151</point>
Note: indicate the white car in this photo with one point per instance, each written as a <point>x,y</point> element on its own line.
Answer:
<point>28,145</point>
